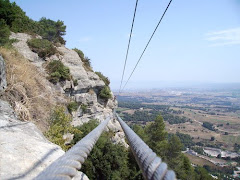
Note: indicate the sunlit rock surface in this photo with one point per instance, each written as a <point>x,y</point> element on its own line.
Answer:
<point>3,82</point>
<point>24,151</point>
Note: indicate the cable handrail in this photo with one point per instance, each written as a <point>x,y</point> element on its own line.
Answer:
<point>66,167</point>
<point>150,164</point>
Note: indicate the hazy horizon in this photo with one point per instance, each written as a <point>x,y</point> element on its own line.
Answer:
<point>181,85</point>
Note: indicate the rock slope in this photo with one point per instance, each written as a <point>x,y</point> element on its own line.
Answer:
<point>24,151</point>
<point>3,82</point>
<point>85,92</point>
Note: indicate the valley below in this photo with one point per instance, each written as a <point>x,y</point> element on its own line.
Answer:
<point>207,121</point>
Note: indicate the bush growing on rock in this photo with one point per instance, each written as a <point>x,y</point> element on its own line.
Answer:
<point>4,32</point>
<point>52,30</point>
<point>86,61</point>
<point>87,64</point>
<point>42,47</point>
<point>104,78</point>
<point>75,82</point>
<point>105,93</point>
<point>84,108</point>
<point>58,72</point>
<point>60,125</point>
<point>72,106</point>
<point>80,53</point>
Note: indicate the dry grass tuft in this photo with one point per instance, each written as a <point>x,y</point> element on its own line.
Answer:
<point>91,91</point>
<point>31,95</point>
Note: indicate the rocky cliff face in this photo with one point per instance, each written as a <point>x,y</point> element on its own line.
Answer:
<point>85,92</point>
<point>24,151</point>
<point>3,82</point>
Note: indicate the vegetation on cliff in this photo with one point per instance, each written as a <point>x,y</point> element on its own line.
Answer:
<point>72,106</point>
<point>4,32</point>
<point>57,71</point>
<point>104,78</point>
<point>105,93</point>
<point>42,47</point>
<point>26,90</point>
<point>86,61</point>
<point>60,125</point>
<point>13,18</point>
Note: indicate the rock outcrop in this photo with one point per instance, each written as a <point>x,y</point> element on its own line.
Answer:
<point>84,92</point>
<point>88,83</point>
<point>22,47</point>
<point>3,82</point>
<point>24,151</point>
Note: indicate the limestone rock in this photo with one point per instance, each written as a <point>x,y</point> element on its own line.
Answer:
<point>67,85</point>
<point>86,80</point>
<point>86,98</point>
<point>24,151</point>
<point>3,81</point>
<point>114,125</point>
<point>95,78</point>
<point>78,121</point>
<point>85,92</point>
<point>71,59</point>
<point>22,46</point>
<point>53,57</point>
<point>111,103</point>
<point>68,138</point>
<point>119,138</point>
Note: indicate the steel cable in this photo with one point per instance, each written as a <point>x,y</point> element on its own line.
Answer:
<point>128,45</point>
<point>150,164</point>
<point>147,44</point>
<point>67,166</point>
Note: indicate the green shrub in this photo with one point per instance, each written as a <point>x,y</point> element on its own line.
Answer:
<point>58,72</point>
<point>60,125</point>
<point>105,93</point>
<point>72,106</point>
<point>4,32</point>
<point>42,47</point>
<point>104,78</point>
<point>84,108</point>
<point>80,53</point>
<point>87,64</point>
<point>52,30</point>
<point>75,82</point>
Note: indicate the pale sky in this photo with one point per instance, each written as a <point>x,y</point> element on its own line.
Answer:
<point>197,41</point>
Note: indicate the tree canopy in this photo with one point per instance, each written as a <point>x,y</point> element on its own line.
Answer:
<point>17,21</point>
<point>169,149</point>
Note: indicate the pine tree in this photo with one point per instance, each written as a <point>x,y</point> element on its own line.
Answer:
<point>4,32</point>
<point>157,137</point>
